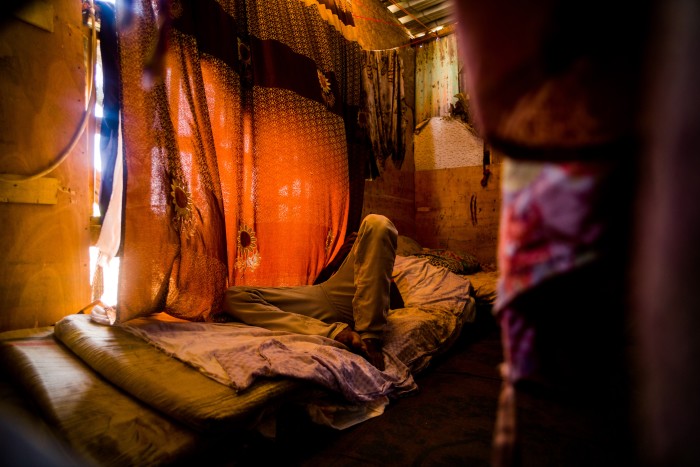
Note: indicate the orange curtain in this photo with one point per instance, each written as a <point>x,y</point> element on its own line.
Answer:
<point>237,157</point>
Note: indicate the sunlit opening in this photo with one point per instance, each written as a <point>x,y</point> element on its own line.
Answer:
<point>110,270</point>
<point>110,277</point>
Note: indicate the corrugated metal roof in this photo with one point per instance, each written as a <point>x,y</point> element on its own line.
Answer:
<point>422,17</point>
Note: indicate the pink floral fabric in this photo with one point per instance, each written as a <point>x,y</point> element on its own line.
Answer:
<point>548,226</point>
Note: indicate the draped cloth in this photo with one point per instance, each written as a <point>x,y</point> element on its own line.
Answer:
<point>109,125</point>
<point>236,155</point>
<point>564,107</point>
<point>437,77</point>
<point>386,112</point>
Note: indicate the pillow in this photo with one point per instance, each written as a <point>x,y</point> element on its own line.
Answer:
<point>458,264</point>
<point>437,304</point>
<point>422,284</point>
<point>406,246</point>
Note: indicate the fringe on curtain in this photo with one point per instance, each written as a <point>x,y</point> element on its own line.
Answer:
<point>337,13</point>
<point>98,287</point>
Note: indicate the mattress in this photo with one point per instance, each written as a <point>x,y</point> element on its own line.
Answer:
<point>120,398</point>
<point>166,384</point>
<point>100,422</point>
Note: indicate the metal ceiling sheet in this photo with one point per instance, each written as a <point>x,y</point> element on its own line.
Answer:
<point>420,17</point>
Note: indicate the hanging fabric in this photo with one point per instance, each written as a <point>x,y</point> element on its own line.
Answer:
<point>385,104</point>
<point>109,125</point>
<point>437,77</point>
<point>236,158</point>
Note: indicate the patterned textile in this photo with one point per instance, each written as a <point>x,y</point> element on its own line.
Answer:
<point>385,112</point>
<point>236,148</point>
<point>437,77</point>
<point>437,303</point>
<point>459,264</point>
<point>549,226</point>
<point>541,93</point>
<point>237,355</point>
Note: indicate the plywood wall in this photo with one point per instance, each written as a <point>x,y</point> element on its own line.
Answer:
<point>393,195</point>
<point>453,210</point>
<point>44,260</point>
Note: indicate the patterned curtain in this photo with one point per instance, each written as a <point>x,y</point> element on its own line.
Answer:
<point>437,77</point>
<point>386,115</point>
<point>237,159</point>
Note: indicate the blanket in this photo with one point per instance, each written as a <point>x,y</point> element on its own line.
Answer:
<point>241,357</point>
<point>236,355</point>
<point>437,303</point>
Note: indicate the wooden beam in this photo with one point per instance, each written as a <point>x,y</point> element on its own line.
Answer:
<point>40,191</point>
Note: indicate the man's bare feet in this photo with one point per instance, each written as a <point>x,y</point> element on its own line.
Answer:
<point>370,349</point>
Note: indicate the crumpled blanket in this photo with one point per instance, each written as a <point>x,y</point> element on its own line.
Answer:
<point>236,355</point>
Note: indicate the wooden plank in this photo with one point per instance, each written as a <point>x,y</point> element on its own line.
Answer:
<point>44,255</point>
<point>40,191</point>
<point>454,211</point>
<point>393,195</point>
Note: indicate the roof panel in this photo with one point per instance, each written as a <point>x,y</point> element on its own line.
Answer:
<point>422,16</point>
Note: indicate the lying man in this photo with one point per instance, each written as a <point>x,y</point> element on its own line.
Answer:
<point>350,306</point>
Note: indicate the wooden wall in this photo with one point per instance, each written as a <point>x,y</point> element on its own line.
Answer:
<point>44,263</point>
<point>393,195</point>
<point>454,211</point>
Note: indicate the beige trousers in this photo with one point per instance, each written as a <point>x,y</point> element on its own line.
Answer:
<point>356,295</point>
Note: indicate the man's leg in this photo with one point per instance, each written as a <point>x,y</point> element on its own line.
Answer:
<point>302,310</point>
<point>359,290</point>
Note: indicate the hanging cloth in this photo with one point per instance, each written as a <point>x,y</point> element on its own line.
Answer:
<point>235,153</point>
<point>385,104</point>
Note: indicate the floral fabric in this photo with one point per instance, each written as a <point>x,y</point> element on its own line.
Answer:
<point>549,226</point>
<point>458,264</point>
<point>437,77</point>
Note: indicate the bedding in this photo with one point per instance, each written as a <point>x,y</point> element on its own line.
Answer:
<point>113,382</point>
<point>458,262</point>
<point>101,423</point>
<point>436,302</point>
<point>237,355</point>
<point>164,383</point>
